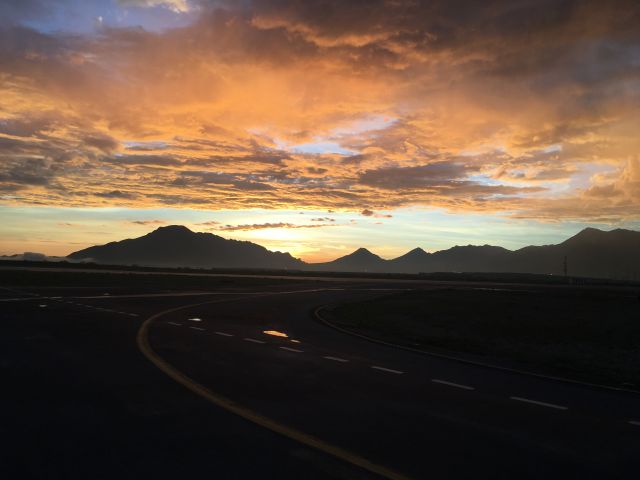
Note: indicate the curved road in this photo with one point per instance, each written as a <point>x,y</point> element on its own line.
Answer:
<point>417,415</point>
<point>84,401</point>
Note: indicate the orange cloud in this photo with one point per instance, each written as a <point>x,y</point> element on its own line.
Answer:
<point>263,226</point>
<point>331,105</point>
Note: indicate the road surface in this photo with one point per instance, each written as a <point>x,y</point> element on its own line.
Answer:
<point>246,384</point>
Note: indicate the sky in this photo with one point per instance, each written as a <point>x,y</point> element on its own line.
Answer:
<point>317,127</point>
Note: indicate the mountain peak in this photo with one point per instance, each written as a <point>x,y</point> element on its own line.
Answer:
<point>590,235</point>
<point>172,229</point>
<point>415,254</point>
<point>360,260</point>
<point>363,253</point>
<point>585,235</point>
<point>589,231</point>
<point>177,246</point>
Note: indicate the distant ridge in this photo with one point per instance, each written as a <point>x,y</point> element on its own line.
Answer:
<point>177,246</point>
<point>590,253</point>
<point>362,260</point>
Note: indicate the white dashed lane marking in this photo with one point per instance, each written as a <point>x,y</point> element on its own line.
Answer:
<point>335,359</point>
<point>541,404</point>
<point>374,367</point>
<point>195,319</point>
<point>388,370</point>
<point>451,384</point>
<point>288,349</point>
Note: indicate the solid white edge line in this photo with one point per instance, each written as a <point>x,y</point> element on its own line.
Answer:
<point>451,384</point>
<point>222,334</point>
<point>288,349</point>
<point>389,370</point>
<point>542,404</point>
<point>253,340</point>
<point>335,359</point>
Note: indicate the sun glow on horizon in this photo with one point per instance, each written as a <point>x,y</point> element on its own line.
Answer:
<point>388,130</point>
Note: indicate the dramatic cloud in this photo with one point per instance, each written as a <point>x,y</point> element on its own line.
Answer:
<point>370,213</point>
<point>524,108</point>
<point>210,223</point>
<point>263,226</point>
<point>177,5</point>
<point>148,222</point>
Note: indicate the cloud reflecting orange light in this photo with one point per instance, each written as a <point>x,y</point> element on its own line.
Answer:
<point>528,109</point>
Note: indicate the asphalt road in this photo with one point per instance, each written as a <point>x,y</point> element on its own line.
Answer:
<point>234,398</point>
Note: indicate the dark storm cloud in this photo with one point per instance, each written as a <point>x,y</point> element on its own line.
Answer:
<point>152,160</point>
<point>377,26</point>
<point>29,172</point>
<point>105,143</point>
<point>116,194</point>
<point>27,126</point>
<point>238,181</point>
<point>423,176</point>
<point>16,11</point>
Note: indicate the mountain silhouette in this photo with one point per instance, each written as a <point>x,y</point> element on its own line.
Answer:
<point>362,260</point>
<point>177,246</point>
<point>470,258</point>
<point>590,253</point>
<point>410,262</point>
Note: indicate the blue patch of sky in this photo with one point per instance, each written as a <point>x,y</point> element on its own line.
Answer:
<point>153,145</point>
<point>370,123</point>
<point>89,16</point>
<point>331,143</point>
<point>483,179</point>
<point>321,147</point>
<point>582,178</point>
<point>555,148</point>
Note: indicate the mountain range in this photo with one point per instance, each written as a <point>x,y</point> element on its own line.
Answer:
<point>590,253</point>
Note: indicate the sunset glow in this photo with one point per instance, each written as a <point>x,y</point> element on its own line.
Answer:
<point>317,127</point>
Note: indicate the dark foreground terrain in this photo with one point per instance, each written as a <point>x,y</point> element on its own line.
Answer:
<point>150,376</point>
<point>592,334</point>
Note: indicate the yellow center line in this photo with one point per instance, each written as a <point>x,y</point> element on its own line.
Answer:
<point>244,412</point>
